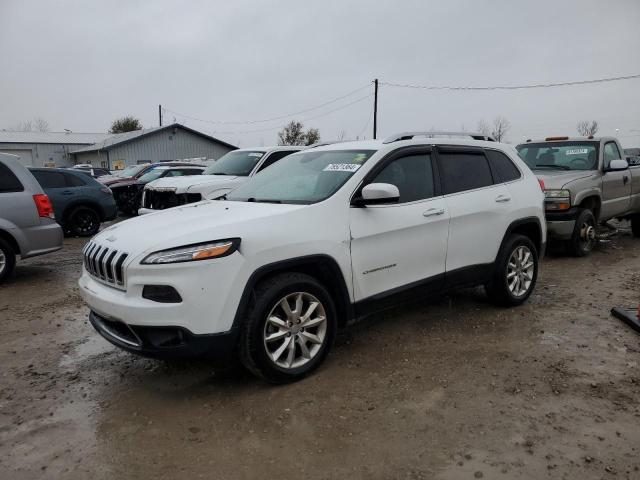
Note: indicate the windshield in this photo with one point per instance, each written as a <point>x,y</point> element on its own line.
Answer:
<point>130,171</point>
<point>151,175</point>
<point>235,163</point>
<point>560,155</point>
<point>307,177</point>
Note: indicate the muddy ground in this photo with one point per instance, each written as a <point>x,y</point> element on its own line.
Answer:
<point>449,389</point>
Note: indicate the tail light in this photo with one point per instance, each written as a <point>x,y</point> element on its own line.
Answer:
<point>106,190</point>
<point>43,204</point>
<point>541,182</point>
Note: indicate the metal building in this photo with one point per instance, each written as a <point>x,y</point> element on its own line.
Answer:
<point>170,142</point>
<point>50,149</point>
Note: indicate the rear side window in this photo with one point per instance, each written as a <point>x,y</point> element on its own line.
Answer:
<point>463,171</point>
<point>502,166</point>
<point>8,180</point>
<point>74,181</point>
<point>50,179</point>
<point>413,175</point>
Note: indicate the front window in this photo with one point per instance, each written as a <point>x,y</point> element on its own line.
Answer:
<point>152,175</point>
<point>307,177</point>
<point>560,155</point>
<point>235,163</point>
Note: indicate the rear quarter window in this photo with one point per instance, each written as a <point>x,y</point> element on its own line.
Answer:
<point>74,180</point>
<point>50,179</point>
<point>8,180</point>
<point>502,166</point>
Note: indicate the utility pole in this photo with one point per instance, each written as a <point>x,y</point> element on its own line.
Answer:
<point>160,114</point>
<point>375,109</point>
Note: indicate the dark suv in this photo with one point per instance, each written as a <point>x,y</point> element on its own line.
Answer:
<point>80,202</point>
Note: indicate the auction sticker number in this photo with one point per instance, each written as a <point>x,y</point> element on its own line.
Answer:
<point>341,167</point>
<point>578,151</point>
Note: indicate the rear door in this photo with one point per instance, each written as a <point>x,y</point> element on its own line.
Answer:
<point>398,246</point>
<point>616,186</point>
<point>479,208</point>
<point>16,205</point>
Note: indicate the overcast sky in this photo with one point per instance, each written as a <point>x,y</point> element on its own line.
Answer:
<point>80,64</point>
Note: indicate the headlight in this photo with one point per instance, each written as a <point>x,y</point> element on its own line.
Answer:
<point>190,253</point>
<point>557,194</point>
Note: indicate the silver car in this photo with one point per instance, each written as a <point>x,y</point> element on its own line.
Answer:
<point>27,222</point>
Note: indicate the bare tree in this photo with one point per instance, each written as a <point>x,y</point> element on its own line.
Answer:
<point>483,128</point>
<point>23,126</point>
<point>500,128</point>
<point>293,134</point>
<point>586,128</point>
<point>342,135</point>
<point>40,124</point>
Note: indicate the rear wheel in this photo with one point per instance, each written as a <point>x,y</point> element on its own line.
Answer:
<point>635,226</point>
<point>290,328</point>
<point>7,260</point>
<point>584,234</point>
<point>516,272</point>
<point>83,222</point>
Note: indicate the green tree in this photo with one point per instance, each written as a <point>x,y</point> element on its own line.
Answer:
<point>293,133</point>
<point>125,124</point>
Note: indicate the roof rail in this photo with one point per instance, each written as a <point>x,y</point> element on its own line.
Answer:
<point>410,135</point>
<point>324,143</point>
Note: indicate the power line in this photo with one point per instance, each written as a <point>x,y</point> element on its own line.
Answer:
<point>510,87</point>
<point>266,120</point>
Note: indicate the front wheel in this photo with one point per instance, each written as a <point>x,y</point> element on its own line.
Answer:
<point>516,272</point>
<point>635,226</point>
<point>290,328</point>
<point>584,234</point>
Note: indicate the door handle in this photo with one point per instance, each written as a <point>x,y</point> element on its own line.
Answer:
<point>67,192</point>
<point>433,211</point>
<point>625,179</point>
<point>503,198</point>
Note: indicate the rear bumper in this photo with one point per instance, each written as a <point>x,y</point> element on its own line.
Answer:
<point>40,240</point>
<point>163,342</point>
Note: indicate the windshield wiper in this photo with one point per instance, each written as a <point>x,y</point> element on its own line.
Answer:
<point>262,200</point>
<point>219,173</point>
<point>559,167</point>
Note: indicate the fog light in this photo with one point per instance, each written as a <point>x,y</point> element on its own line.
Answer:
<point>161,294</point>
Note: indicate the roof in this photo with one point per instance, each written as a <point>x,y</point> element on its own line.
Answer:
<point>120,138</point>
<point>73,138</point>
<point>569,139</point>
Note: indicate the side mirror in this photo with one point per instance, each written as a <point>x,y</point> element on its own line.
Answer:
<point>617,165</point>
<point>378,193</point>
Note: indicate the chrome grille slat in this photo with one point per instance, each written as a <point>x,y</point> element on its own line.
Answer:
<point>104,264</point>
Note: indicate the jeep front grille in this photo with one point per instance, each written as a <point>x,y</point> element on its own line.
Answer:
<point>104,264</point>
<point>161,199</point>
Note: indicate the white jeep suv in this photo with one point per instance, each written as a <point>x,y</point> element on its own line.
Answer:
<point>225,174</point>
<point>322,237</point>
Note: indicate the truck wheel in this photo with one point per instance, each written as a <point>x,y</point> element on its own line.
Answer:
<point>7,260</point>
<point>584,234</point>
<point>83,222</point>
<point>635,226</point>
<point>290,327</point>
<point>516,272</point>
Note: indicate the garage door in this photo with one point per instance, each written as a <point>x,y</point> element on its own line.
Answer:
<point>25,156</point>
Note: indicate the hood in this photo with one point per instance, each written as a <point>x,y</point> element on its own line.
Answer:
<point>123,183</point>
<point>559,178</point>
<point>194,182</point>
<point>193,223</point>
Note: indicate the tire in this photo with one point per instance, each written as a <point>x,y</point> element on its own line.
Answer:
<point>519,255</point>
<point>274,360</point>
<point>83,222</point>
<point>7,260</point>
<point>584,236</point>
<point>635,226</point>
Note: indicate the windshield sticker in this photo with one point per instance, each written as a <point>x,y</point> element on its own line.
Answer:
<point>341,167</point>
<point>255,154</point>
<point>578,151</point>
<point>360,158</point>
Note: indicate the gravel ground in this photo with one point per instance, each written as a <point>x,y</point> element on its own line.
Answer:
<point>451,389</point>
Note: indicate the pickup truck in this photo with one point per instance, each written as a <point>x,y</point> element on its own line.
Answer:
<point>587,181</point>
<point>227,173</point>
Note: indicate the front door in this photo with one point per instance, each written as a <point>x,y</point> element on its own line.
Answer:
<point>616,186</point>
<point>396,247</point>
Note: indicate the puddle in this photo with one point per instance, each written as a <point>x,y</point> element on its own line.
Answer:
<point>94,345</point>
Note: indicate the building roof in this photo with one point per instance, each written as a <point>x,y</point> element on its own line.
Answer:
<point>72,138</point>
<point>121,138</point>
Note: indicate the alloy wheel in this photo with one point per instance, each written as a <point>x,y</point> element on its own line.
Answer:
<point>295,330</point>
<point>520,270</point>
<point>3,262</point>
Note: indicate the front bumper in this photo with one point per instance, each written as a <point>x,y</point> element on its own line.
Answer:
<point>163,342</point>
<point>560,225</point>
